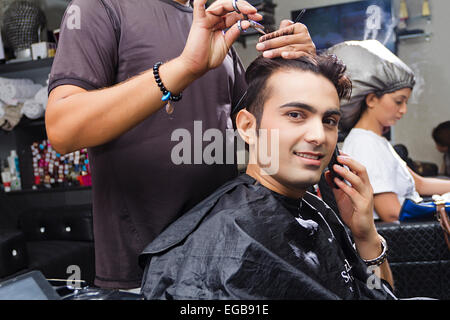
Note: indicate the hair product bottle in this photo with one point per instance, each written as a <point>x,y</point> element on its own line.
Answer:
<point>2,50</point>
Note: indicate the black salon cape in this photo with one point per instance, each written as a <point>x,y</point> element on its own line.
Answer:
<point>247,242</point>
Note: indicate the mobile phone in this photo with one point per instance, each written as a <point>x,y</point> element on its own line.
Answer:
<point>330,166</point>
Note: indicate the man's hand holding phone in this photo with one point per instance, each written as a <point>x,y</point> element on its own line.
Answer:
<point>354,195</point>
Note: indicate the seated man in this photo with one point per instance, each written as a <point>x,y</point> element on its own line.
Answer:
<point>262,235</point>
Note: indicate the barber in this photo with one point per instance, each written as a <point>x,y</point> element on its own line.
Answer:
<point>124,79</point>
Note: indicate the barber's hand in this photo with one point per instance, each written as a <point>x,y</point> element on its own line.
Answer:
<point>290,41</point>
<point>208,44</point>
<point>355,202</point>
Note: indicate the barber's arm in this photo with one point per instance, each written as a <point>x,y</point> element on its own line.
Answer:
<point>77,118</point>
<point>355,203</point>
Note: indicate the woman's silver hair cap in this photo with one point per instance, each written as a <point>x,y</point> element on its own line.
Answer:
<point>372,68</point>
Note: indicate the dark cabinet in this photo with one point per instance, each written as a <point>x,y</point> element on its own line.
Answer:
<point>21,138</point>
<point>27,131</point>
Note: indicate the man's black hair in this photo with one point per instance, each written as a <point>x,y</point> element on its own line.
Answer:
<point>261,69</point>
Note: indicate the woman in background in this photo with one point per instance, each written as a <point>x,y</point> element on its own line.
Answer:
<point>382,85</point>
<point>441,137</point>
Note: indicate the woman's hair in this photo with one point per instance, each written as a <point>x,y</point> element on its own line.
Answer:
<point>351,118</point>
<point>441,134</point>
<point>261,69</point>
<point>373,69</point>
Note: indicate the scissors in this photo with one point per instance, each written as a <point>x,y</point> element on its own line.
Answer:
<point>253,24</point>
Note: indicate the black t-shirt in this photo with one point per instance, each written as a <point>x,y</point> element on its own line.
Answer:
<point>248,242</point>
<point>137,188</point>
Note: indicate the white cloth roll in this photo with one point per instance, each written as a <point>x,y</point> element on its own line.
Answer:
<point>33,109</point>
<point>2,110</point>
<point>13,93</point>
<point>15,81</point>
<point>42,97</point>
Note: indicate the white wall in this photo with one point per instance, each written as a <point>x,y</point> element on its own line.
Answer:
<point>430,102</point>
<point>431,96</point>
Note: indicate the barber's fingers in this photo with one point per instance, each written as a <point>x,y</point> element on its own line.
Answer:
<point>231,18</point>
<point>293,37</point>
<point>199,8</point>
<point>297,28</point>
<point>293,51</point>
<point>221,7</point>
<point>233,33</point>
<point>285,23</point>
<point>291,54</point>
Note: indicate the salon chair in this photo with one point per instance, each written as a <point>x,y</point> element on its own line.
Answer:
<point>50,240</point>
<point>419,258</point>
<point>418,254</point>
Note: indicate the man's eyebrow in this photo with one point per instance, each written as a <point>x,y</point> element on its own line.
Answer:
<point>300,105</point>
<point>307,107</point>
<point>332,112</point>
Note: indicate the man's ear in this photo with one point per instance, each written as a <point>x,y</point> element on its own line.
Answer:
<point>371,100</point>
<point>246,126</point>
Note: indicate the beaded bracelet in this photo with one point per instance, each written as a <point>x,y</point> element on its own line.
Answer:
<point>167,95</point>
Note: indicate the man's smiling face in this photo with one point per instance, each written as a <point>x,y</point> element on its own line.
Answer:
<point>304,107</point>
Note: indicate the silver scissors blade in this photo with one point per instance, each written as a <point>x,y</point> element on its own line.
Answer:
<point>257,26</point>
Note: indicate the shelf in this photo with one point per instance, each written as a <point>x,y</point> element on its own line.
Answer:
<point>25,122</point>
<point>418,18</point>
<point>415,35</point>
<point>26,65</point>
<point>49,190</point>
